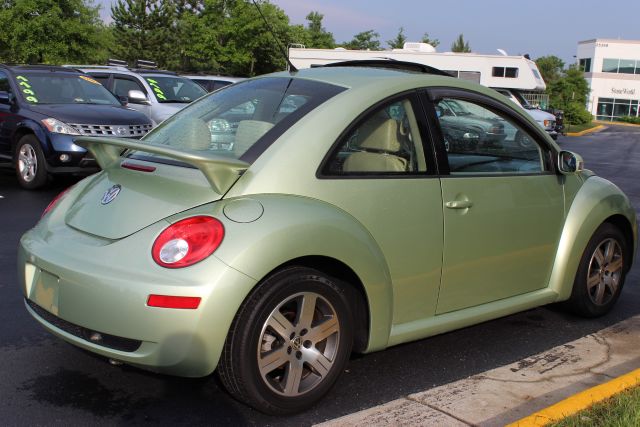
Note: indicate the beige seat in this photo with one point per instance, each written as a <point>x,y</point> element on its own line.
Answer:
<point>380,144</point>
<point>192,134</point>
<point>248,132</point>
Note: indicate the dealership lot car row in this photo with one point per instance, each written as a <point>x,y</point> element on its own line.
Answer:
<point>291,219</point>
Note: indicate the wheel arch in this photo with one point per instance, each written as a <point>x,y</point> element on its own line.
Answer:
<point>341,271</point>
<point>28,128</point>
<point>597,202</point>
<point>301,231</point>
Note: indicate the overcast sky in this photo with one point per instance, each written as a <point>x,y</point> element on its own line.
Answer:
<point>535,27</point>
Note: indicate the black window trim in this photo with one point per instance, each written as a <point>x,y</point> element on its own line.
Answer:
<point>429,97</point>
<point>425,136</point>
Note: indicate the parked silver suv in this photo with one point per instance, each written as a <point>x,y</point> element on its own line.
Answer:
<point>156,93</point>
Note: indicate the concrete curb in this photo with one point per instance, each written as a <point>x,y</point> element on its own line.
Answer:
<point>587,131</point>
<point>580,401</point>
<point>513,392</point>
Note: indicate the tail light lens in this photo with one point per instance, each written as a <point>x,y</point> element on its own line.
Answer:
<point>54,202</point>
<point>187,242</point>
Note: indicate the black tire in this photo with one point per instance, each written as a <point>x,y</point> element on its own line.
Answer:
<point>252,342</point>
<point>29,163</point>
<point>523,140</point>
<point>598,284</point>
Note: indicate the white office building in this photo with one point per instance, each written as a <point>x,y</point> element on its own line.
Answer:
<point>612,68</point>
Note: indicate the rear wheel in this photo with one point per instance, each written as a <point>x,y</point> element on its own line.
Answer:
<point>30,163</point>
<point>289,342</point>
<point>601,273</point>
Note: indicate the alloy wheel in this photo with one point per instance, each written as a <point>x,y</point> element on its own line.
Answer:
<point>298,344</point>
<point>27,163</point>
<point>605,271</point>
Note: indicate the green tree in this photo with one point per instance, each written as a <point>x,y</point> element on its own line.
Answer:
<point>366,40</point>
<point>432,42</point>
<point>569,93</point>
<point>460,45</point>
<point>550,67</point>
<point>51,31</point>
<point>399,41</point>
<point>318,36</point>
<point>143,29</point>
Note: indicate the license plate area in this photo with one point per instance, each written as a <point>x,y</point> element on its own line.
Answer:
<point>45,291</point>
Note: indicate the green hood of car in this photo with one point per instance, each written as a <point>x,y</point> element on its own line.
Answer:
<point>144,198</point>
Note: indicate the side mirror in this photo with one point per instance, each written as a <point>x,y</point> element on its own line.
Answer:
<point>570,163</point>
<point>6,97</point>
<point>137,97</point>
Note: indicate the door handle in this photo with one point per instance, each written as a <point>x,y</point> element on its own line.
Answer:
<point>459,204</point>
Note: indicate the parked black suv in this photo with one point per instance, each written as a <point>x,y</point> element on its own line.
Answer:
<point>43,108</point>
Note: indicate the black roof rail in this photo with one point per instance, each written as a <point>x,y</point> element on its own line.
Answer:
<point>145,64</point>
<point>117,62</point>
<point>390,64</point>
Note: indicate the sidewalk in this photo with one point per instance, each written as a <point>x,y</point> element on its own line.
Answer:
<point>512,392</point>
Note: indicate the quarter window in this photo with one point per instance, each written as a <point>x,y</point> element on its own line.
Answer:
<point>387,142</point>
<point>479,140</point>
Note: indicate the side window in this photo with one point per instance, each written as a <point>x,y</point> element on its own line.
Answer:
<point>478,140</point>
<point>387,142</point>
<point>4,82</point>
<point>122,86</point>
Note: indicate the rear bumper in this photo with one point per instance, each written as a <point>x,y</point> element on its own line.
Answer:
<point>89,286</point>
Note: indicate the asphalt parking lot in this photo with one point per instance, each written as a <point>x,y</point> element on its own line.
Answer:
<point>46,381</point>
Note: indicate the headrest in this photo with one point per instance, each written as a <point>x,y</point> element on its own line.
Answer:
<point>380,135</point>
<point>193,134</point>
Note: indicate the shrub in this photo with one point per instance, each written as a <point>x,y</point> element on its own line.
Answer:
<point>576,114</point>
<point>630,119</point>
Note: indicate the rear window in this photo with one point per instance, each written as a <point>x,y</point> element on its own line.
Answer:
<point>241,120</point>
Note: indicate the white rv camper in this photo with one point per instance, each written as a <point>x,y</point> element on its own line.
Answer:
<point>509,75</point>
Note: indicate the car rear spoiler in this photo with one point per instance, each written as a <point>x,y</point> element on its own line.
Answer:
<point>221,172</point>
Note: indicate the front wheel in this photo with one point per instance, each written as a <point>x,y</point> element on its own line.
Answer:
<point>289,342</point>
<point>30,163</point>
<point>601,273</point>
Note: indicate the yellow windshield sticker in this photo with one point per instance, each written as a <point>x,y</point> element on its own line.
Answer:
<point>156,89</point>
<point>90,80</point>
<point>27,90</point>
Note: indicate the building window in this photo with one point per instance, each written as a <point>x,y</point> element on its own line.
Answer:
<point>621,66</point>
<point>585,65</point>
<point>610,65</point>
<point>509,72</point>
<point>610,109</point>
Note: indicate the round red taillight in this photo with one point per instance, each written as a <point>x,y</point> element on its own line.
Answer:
<point>187,242</point>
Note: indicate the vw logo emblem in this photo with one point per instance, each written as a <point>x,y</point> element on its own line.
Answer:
<point>110,194</point>
<point>122,131</point>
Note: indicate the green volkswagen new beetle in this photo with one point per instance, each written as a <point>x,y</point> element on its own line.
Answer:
<point>272,228</point>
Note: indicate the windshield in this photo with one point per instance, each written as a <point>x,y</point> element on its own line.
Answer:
<point>175,89</point>
<point>240,121</point>
<point>58,88</point>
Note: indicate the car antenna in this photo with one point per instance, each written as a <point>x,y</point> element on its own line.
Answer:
<point>292,68</point>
